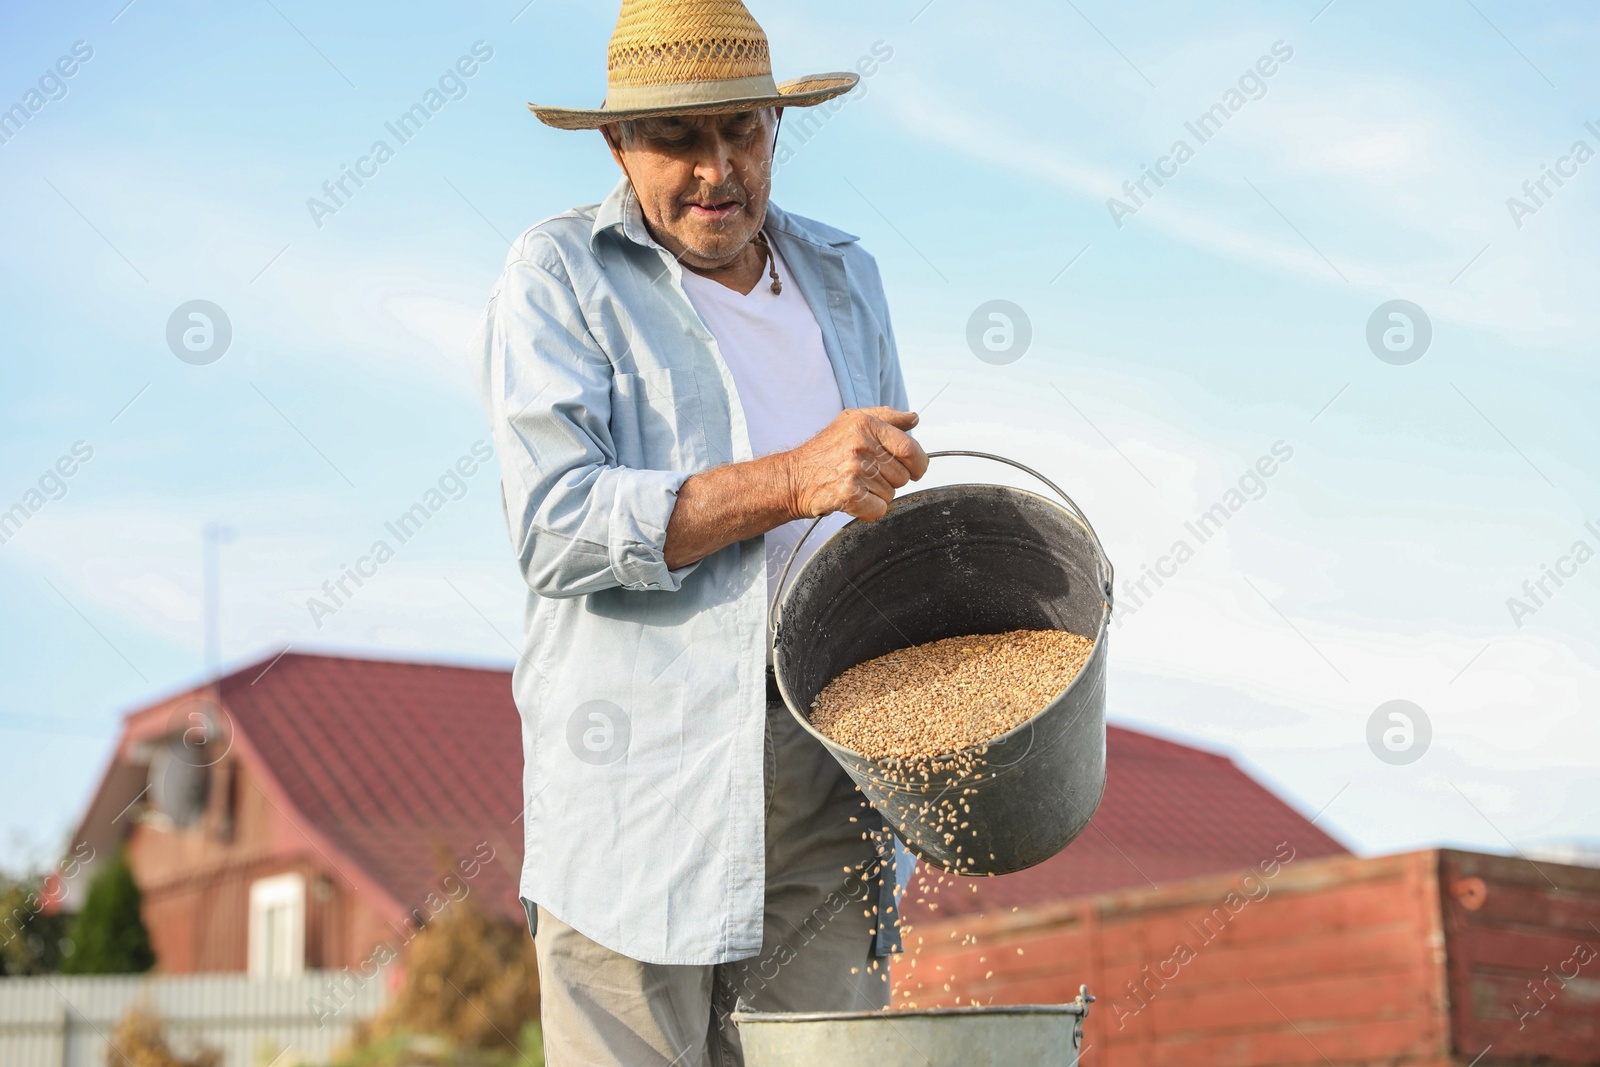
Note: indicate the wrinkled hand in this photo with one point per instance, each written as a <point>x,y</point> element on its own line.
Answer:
<point>855,464</point>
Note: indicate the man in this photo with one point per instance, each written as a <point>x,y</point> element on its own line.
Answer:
<point>678,380</point>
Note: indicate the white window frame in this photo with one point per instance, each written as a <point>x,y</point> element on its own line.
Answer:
<point>278,927</point>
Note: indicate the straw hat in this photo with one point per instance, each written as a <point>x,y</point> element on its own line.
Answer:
<point>690,57</point>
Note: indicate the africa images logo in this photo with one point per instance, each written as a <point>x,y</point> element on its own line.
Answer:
<point>1399,732</point>
<point>1399,332</point>
<point>1251,85</point>
<point>598,732</point>
<point>52,86</point>
<point>452,85</point>
<point>199,332</point>
<point>999,332</point>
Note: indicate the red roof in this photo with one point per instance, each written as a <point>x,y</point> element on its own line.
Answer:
<point>1170,812</point>
<point>400,766</point>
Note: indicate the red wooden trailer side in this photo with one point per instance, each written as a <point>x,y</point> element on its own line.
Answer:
<point>1523,947</point>
<point>1415,960</point>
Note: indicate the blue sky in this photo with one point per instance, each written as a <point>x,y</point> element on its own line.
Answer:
<point>1169,353</point>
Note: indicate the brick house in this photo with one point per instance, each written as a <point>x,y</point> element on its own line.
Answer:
<point>306,810</point>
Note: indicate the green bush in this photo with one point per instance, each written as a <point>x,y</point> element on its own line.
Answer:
<point>108,936</point>
<point>30,941</point>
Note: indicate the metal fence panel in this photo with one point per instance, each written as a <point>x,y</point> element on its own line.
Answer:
<point>62,1021</point>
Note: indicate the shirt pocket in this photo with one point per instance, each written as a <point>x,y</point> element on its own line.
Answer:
<point>657,422</point>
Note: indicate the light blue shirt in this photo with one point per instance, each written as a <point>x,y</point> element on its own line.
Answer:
<point>643,689</point>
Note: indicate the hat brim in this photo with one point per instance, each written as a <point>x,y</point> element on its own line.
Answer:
<point>797,92</point>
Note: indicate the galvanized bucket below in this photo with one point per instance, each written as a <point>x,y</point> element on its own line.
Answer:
<point>1031,1035</point>
<point>946,562</point>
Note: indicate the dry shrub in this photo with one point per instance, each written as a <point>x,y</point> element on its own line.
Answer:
<point>138,1041</point>
<point>470,979</point>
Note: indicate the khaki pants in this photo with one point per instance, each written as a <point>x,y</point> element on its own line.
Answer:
<point>602,1008</point>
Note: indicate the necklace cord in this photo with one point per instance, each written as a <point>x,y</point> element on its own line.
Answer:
<point>772,261</point>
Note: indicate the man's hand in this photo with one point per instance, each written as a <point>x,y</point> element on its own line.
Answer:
<point>855,464</point>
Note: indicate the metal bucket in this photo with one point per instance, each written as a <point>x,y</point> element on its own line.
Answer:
<point>946,562</point>
<point>1039,1035</point>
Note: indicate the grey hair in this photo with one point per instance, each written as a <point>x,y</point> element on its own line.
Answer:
<point>626,130</point>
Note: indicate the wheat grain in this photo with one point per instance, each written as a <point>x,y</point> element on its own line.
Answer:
<point>945,696</point>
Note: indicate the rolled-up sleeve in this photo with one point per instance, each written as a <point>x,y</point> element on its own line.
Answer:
<point>579,521</point>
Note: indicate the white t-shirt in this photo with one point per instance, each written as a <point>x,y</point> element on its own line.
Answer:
<point>773,348</point>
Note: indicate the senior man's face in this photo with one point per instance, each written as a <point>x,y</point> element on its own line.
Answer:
<point>702,180</point>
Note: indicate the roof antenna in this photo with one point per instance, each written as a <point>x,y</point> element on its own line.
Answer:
<point>215,536</point>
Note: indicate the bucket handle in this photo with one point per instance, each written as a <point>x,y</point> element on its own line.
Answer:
<point>775,615</point>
